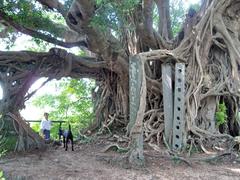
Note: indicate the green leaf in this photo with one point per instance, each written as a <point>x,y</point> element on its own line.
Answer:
<point>1,174</point>
<point>221,114</point>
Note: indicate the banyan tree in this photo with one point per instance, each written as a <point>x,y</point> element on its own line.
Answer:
<point>129,47</point>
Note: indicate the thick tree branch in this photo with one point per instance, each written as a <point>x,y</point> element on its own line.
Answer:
<point>164,27</point>
<point>39,35</point>
<point>150,37</point>
<point>54,4</point>
<point>26,56</point>
<point>108,47</point>
<point>148,15</point>
<point>147,26</point>
<point>25,67</point>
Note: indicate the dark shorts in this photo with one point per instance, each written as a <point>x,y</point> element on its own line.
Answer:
<point>46,134</point>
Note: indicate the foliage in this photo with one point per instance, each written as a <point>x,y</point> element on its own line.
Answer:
<point>35,127</point>
<point>10,142</point>
<point>42,20</point>
<point>112,14</point>
<point>196,7</point>
<point>20,12</point>
<point>9,40</point>
<point>177,15</point>
<point>38,45</point>
<point>221,114</point>
<point>72,104</point>
<point>2,153</point>
<point>177,12</point>
<point>1,175</point>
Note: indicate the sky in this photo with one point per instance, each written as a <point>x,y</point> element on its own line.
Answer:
<point>187,3</point>
<point>24,43</point>
<point>49,88</point>
<point>1,93</point>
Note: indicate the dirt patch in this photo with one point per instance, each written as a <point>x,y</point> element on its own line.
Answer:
<point>87,162</point>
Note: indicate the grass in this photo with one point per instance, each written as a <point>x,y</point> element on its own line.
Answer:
<point>1,171</point>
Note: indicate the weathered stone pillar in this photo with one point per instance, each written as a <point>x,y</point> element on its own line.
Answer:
<point>167,100</point>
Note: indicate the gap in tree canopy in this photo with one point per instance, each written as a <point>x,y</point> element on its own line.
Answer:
<point>1,93</point>
<point>66,99</point>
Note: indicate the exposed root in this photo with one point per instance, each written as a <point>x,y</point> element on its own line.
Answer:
<point>211,59</point>
<point>26,137</point>
<point>115,147</point>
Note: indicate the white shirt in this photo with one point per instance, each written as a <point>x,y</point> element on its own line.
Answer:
<point>45,124</point>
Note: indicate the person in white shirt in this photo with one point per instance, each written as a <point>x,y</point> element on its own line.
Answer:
<point>45,126</point>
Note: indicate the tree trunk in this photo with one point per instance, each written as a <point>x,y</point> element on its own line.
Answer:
<point>18,136</point>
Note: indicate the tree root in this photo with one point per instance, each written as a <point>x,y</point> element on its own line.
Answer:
<point>215,157</point>
<point>7,161</point>
<point>115,147</point>
<point>26,136</point>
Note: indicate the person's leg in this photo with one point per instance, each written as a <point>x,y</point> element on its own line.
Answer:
<point>72,144</point>
<point>66,147</point>
<point>47,135</point>
<point>60,133</point>
<point>64,141</point>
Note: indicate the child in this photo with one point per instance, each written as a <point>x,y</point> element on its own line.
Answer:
<point>45,127</point>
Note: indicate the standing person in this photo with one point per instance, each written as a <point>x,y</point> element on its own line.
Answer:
<point>45,127</point>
